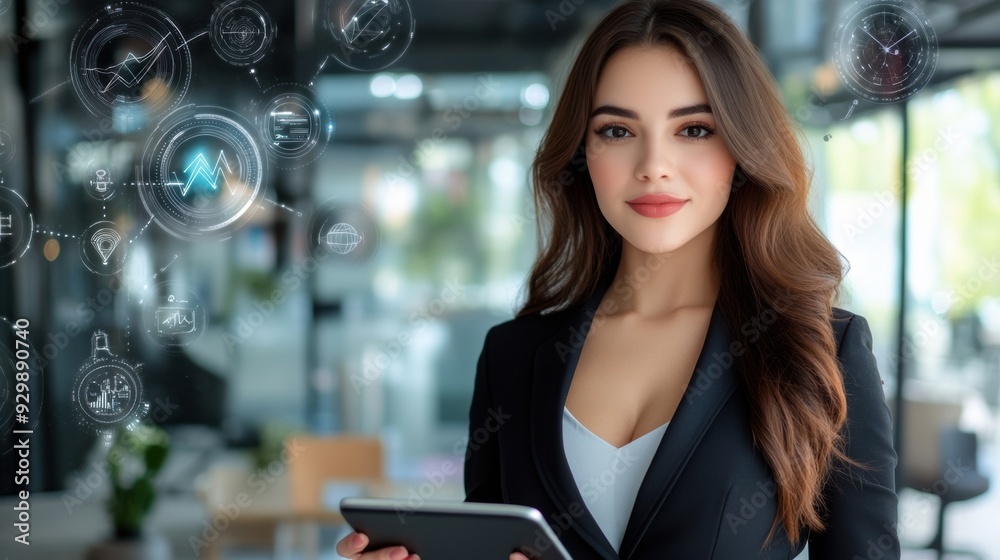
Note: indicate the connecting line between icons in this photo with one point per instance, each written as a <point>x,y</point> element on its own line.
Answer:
<point>43,231</point>
<point>320,69</point>
<point>184,44</point>
<point>282,206</point>
<point>145,287</point>
<point>141,231</point>
<point>49,92</point>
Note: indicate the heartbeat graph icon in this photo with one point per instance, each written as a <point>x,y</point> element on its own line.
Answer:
<point>200,169</point>
<point>133,69</point>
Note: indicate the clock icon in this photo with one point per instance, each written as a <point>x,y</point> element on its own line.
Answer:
<point>885,50</point>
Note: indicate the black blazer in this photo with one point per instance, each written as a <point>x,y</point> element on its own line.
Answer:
<point>708,493</point>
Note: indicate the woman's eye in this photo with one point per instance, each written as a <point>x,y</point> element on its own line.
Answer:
<point>701,132</point>
<point>617,132</point>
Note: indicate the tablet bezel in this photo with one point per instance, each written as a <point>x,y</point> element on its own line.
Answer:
<point>516,511</point>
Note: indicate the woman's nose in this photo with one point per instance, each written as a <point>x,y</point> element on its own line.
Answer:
<point>655,161</point>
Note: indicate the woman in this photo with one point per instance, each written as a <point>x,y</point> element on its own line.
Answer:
<point>678,383</point>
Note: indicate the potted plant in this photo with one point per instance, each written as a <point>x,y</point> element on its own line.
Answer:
<point>135,457</point>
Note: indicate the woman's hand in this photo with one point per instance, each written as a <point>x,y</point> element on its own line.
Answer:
<point>352,545</point>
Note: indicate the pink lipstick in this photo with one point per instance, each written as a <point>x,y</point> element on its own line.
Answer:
<point>657,205</point>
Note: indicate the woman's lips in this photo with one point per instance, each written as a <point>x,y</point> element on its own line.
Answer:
<point>657,210</point>
<point>656,205</point>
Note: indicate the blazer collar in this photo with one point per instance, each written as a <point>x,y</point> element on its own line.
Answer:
<point>556,358</point>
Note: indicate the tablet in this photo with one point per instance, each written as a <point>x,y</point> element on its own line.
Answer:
<point>454,530</point>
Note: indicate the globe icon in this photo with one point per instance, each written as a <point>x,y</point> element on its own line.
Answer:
<point>343,238</point>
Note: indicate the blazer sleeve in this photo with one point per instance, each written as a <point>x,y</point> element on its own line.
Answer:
<point>482,455</point>
<point>861,504</point>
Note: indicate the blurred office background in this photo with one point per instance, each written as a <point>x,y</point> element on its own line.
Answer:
<point>435,150</point>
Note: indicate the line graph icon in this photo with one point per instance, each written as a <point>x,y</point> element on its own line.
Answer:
<point>369,34</point>
<point>199,169</point>
<point>129,61</point>
<point>173,315</point>
<point>202,174</point>
<point>133,69</point>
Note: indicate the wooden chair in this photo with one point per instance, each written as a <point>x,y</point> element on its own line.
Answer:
<point>932,444</point>
<point>314,465</point>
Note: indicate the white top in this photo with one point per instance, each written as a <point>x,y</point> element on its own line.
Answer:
<point>608,477</point>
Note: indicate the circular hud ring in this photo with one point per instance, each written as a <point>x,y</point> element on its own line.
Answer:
<point>16,227</point>
<point>104,247</point>
<point>202,173</point>
<point>108,393</point>
<point>885,50</point>
<point>7,147</point>
<point>129,59</point>
<point>242,32</point>
<point>369,34</point>
<point>343,232</point>
<point>294,127</point>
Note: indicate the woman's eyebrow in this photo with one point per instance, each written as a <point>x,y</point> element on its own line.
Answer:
<point>616,111</point>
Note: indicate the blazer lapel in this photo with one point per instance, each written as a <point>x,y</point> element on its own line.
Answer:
<point>711,385</point>
<point>555,362</point>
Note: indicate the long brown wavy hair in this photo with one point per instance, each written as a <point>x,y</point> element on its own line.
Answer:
<point>771,256</point>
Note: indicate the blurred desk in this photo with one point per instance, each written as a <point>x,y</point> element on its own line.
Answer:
<point>244,508</point>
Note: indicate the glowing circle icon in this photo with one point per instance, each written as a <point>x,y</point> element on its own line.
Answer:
<point>16,227</point>
<point>173,315</point>
<point>101,181</point>
<point>107,392</point>
<point>294,127</point>
<point>202,174</point>
<point>7,147</point>
<point>103,248</point>
<point>369,34</point>
<point>130,61</point>
<point>242,32</point>
<point>343,231</point>
<point>343,238</point>
<point>885,50</point>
